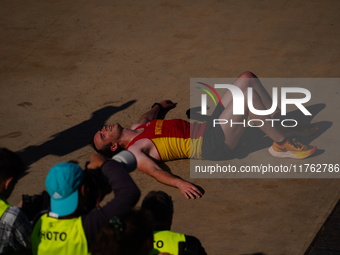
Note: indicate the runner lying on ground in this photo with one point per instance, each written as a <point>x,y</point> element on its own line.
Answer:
<point>152,139</point>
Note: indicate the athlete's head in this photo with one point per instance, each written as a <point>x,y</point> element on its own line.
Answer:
<point>106,140</point>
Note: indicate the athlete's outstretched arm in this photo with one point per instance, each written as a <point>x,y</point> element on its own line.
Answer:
<point>154,111</point>
<point>148,166</point>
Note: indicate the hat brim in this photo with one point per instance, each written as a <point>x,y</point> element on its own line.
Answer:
<point>65,206</point>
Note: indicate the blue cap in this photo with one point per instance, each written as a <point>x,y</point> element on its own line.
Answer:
<point>62,183</point>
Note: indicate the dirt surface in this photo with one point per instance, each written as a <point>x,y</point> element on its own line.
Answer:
<point>67,67</point>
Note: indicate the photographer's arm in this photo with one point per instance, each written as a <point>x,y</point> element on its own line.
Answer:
<point>124,188</point>
<point>126,195</point>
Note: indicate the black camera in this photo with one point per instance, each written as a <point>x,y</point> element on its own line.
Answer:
<point>36,205</point>
<point>96,187</point>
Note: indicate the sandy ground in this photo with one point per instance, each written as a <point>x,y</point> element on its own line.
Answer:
<point>67,67</point>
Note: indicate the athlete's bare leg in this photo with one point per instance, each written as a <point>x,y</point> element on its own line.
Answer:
<point>261,101</point>
<point>246,80</point>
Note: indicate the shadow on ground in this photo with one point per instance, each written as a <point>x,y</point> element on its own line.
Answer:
<point>73,138</point>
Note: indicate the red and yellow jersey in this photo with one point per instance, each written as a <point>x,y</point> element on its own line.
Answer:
<point>173,139</point>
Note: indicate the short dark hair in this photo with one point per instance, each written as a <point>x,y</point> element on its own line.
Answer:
<point>96,187</point>
<point>128,234</point>
<point>160,205</point>
<point>11,165</point>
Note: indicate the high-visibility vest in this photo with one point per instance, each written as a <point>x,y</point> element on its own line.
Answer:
<point>167,241</point>
<point>59,236</point>
<point>3,207</point>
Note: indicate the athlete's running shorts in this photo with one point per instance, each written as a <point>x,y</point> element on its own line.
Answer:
<point>213,144</point>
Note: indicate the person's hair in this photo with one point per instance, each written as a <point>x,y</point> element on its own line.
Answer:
<point>129,234</point>
<point>11,165</point>
<point>96,187</point>
<point>160,206</point>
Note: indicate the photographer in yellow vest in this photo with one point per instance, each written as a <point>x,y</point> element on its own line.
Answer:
<point>15,228</point>
<point>71,226</point>
<point>160,207</point>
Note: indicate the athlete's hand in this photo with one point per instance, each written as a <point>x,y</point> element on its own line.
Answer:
<point>168,104</point>
<point>189,190</point>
